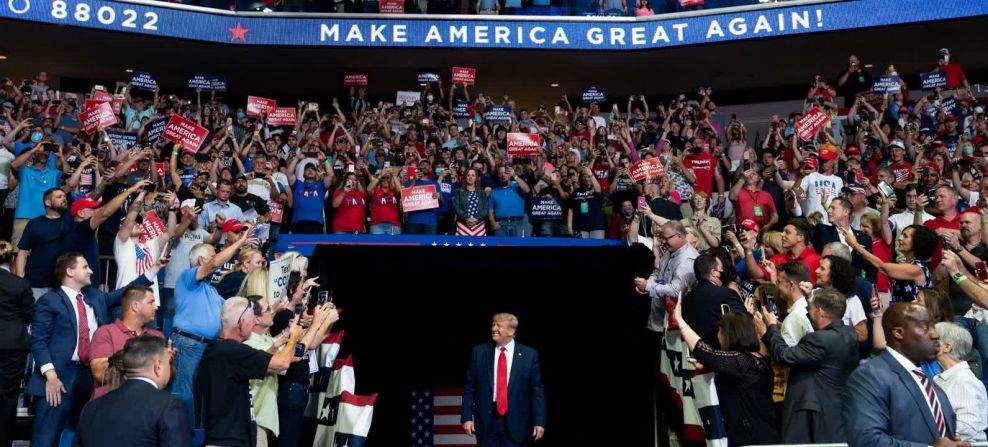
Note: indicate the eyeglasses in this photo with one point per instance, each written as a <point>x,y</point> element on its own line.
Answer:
<point>249,306</point>
<point>666,238</point>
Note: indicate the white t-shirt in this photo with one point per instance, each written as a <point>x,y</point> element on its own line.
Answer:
<point>814,185</point>
<point>5,158</point>
<point>125,253</point>
<point>899,222</point>
<point>854,313</point>
<point>261,188</point>
<point>179,261</point>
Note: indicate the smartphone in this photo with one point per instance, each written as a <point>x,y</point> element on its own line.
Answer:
<point>886,189</point>
<point>387,164</point>
<point>932,194</point>
<point>771,304</point>
<point>49,147</point>
<point>299,310</point>
<point>642,202</point>
<point>981,269</point>
<point>299,349</point>
<point>313,107</point>
<point>732,228</point>
<point>326,296</point>
<point>350,168</point>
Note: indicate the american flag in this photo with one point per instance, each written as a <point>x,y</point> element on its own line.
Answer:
<point>436,418</point>
<point>143,259</point>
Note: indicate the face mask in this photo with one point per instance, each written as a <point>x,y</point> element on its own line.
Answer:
<point>628,211</point>
<point>241,115</point>
<point>36,137</point>
<point>439,171</point>
<point>429,98</point>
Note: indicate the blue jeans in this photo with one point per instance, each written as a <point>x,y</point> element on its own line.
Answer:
<point>511,228</point>
<point>551,228</point>
<point>420,229</point>
<point>385,228</point>
<point>186,363</point>
<point>292,399</point>
<point>166,313</point>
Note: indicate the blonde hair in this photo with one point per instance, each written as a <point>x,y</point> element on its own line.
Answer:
<point>7,252</point>
<point>508,318</point>
<point>256,283</point>
<point>244,257</point>
<point>773,239</point>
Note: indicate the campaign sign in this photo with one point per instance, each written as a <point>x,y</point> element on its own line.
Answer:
<point>933,79</point>
<point>949,105</point>
<point>593,94</point>
<point>217,83</point>
<point>497,114</point>
<point>546,209</point>
<point>101,96</point>
<point>392,6</point>
<point>887,84</point>
<point>257,106</point>
<point>406,98</point>
<point>122,140</point>
<point>428,77</point>
<point>461,108</point>
<point>355,79</point>
<point>98,117</point>
<point>153,129</point>
<point>201,81</point>
<point>282,116</point>
<point>647,169</point>
<point>153,226</point>
<point>811,123</point>
<point>143,80</point>
<point>521,144</point>
<point>464,75</point>
<point>279,271</point>
<point>185,132</point>
<point>418,198</point>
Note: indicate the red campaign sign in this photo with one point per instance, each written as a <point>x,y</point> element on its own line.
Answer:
<point>160,167</point>
<point>257,106</point>
<point>355,79</point>
<point>522,144</point>
<point>463,75</point>
<point>185,132</point>
<point>97,117</point>
<point>282,116</point>
<point>418,198</point>
<point>811,123</point>
<point>117,104</point>
<point>392,7</point>
<point>153,226</point>
<point>101,96</point>
<point>647,169</point>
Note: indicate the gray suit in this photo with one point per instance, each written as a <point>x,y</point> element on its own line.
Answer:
<point>884,406</point>
<point>818,369</point>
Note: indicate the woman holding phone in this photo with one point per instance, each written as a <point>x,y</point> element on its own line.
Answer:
<point>917,243</point>
<point>349,199</point>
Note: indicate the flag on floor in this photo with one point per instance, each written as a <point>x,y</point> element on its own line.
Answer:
<point>436,419</point>
<point>355,416</point>
<point>693,391</point>
<point>342,381</point>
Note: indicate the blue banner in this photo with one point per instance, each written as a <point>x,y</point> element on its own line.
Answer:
<point>154,128</point>
<point>122,140</point>
<point>498,114</point>
<point>306,243</point>
<point>201,81</point>
<point>460,109</point>
<point>933,79</point>
<point>593,94</point>
<point>176,21</point>
<point>428,77</point>
<point>886,84</point>
<point>546,209</point>
<point>143,80</point>
<point>217,84</point>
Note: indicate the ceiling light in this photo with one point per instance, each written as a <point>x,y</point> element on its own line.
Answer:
<point>869,65</point>
<point>554,85</point>
<point>3,58</point>
<point>129,70</point>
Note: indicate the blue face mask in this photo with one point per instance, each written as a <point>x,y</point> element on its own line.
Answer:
<point>439,171</point>
<point>241,115</point>
<point>36,137</point>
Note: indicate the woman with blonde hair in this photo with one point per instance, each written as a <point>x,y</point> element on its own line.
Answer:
<point>707,228</point>
<point>247,261</point>
<point>771,244</point>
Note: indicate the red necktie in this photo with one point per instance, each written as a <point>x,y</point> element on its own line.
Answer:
<point>502,383</point>
<point>83,330</point>
<point>934,402</point>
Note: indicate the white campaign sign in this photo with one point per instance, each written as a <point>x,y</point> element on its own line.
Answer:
<point>278,272</point>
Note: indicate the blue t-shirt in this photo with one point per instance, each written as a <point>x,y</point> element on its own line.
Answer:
<point>45,238</point>
<point>424,217</point>
<point>33,184</point>
<point>446,189</point>
<point>198,305</point>
<point>309,201</point>
<point>69,121</point>
<point>21,147</point>
<point>507,202</point>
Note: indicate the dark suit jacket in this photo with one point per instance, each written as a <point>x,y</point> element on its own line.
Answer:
<point>818,369</point>
<point>16,311</point>
<point>702,308</point>
<point>135,415</point>
<point>825,234</point>
<point>884,406</point>
<point>526,396</point>
<point>55,332</point>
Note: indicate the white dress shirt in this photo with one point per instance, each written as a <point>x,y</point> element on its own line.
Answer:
<point>509,352</point>
<point>145,379</point>
<point>910,367</point>
<point>90,316</point>
<point>797,323</point>
<point>968,398</point>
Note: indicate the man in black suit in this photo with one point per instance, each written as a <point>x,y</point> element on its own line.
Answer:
<point>139,413</point>
<point>839,214</point>
<point>709,300</point>
<point>819,366</point>
<point>16,312</point>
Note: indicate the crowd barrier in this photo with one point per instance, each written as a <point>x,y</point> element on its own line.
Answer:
<point>306,243</point>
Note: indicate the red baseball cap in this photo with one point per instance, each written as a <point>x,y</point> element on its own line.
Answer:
<point>749,225</point>
<point>827,152</point>
<point>972,210</point>
<point>811,162</point>
<point>82,204</point>
<point>851,150</point>
<point>232,226</point>
<point>934,167</point>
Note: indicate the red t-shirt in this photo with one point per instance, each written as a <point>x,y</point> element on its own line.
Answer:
<point>937,223</point>
<point>884,252</point>
<point>384,208</point>
<point>703,165</point>
<point>808,257</point>
<point>955,75</point>
<point>746,203</point>
<point>351,214</point>
<point>603,173</point>
<point>902,170</point>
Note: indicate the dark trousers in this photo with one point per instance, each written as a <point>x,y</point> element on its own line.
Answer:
<point>420,229</point>
<point>12,368</point>
<point>307,227</point>
<point>501,436</point>
<point>292,398</point>
<point>49,421</point>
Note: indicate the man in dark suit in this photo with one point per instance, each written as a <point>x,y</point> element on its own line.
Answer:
<point>709,300</point>
<point>65,320</point>
<point>139,413</point>
<point>16,312</point>
<point>888,400</point>
<point>818,369</point>
<point>503,398</point>
<point>839,214</point>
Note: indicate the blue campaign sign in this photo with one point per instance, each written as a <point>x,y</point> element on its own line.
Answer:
<point>154,128</point>
<point>498,114</point>
<point>217,83</point>
<point>886,84</point>
<point>201,81</point>
<point>546,209</point>
<point>143,80</point>
<point>461,108</point>
<point>428,77</point>
<point>183,22</point>
<point>933,79</point>
<point>593,94</point>
<point>122,140</point>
